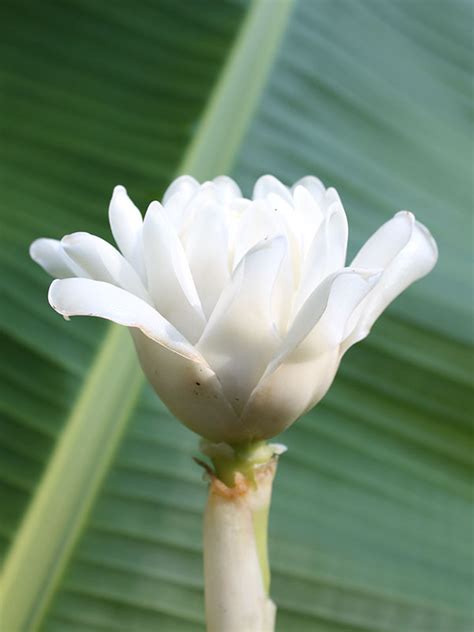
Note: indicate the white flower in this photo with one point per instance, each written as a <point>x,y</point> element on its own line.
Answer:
<point>240,309</point>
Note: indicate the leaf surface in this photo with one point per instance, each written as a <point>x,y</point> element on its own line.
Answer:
<point>371,524</point>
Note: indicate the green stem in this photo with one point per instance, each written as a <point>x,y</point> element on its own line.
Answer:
<point>236,567</point>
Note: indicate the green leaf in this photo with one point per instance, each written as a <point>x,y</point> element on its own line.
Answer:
<point>371,523</point>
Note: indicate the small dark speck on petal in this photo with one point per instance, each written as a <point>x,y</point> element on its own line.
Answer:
<point>198,383</point>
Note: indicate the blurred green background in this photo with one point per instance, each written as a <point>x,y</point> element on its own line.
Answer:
<point>372,524</point>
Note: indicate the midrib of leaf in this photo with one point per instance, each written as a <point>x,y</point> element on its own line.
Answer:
<point>236,94</point>
<point>95,426</point>
<point>70,483</point>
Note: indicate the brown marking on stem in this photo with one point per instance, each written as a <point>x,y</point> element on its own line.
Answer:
<point>240,488</point>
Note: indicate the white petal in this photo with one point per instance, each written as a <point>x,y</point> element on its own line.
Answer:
<point>281,208</point>
<point>186,185</point>
<point>305,365</point>
<point>102,262</point>
<point>207,253</point>
<point>270,184</point>
<point>87,297</point>
<point>386,242</point>
<point>406,251</point>
<point>239,339</point>
<point>203,197</point>
<point>227,188</point>
<point>126,224</point>
<point>175,209</point>
<point>313,185</point>
<point>258,222</point>
<point>50,255</point>
<point>330,197</point>
<point>326,253</point>
<point>191,391</point>
<point>321,322</point>
<point>286,393</point>
<point>308,215</point>
<point>282,294</point>
<point>177,200</point>
<point>177,372</point>
<point>170,282</point>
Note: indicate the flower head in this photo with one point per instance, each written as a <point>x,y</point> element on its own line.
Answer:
<point>240,309</point>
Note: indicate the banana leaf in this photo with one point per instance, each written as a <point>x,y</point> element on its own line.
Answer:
<point>371,526</point>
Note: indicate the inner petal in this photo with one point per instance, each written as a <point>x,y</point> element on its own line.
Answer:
<point>206,249</point>
<point>326,253</point>
<point>239,339</point>
<point>170,282</point>
<point>256,223</point>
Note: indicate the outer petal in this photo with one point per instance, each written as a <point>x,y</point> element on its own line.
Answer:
<point>284,395</point>
<point>178,373</point>
<point>304,368</point>
<point>170,282</point>
<point>50,255</point>
<point>190,390</point>
<point>321,322</point>
<point>102,262</point>
<point>406,251</point>
<point>385,244</point>
<point>87,297</point>
<point>126,224</point>
<point>239,339</point>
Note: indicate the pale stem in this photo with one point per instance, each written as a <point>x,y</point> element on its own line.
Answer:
<point>236,569</point>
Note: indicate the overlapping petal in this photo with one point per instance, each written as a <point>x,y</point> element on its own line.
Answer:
<point>184,185</point>
<point>269,184</point>
<point>313,185</point>
<point>306,363</point>
<point>191,390</point>
<point>239,339</point>
<point>256,224</point>
<point>176,370</point>
<point>285,394</point>
<point>406,251</point>
<point>170,282</point>
<point>102,262</point>
<point>87,297</point>
<point>227,189</point>
<point>126,223</point>
<point>209,266</point>
<point>308,216</point>
<point>326,253</point>
<point>50,255</point>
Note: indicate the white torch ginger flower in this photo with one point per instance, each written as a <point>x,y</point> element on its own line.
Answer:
<point>240,309</point>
